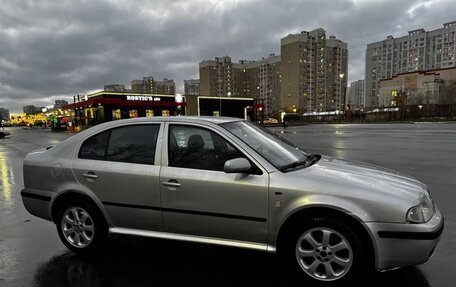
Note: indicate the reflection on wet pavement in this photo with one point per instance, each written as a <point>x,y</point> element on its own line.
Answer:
<point>6,182</point>
<point>145,262</point>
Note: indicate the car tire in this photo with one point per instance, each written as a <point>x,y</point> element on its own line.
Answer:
<point>80,227</point>
<point>2,135</point>
<point>326,251</point>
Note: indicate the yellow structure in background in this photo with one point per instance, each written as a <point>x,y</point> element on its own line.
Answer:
<point>47,116</point>
<point>18,119</point>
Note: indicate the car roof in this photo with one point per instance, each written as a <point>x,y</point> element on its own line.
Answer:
<point>112,124</point>
<point>195,119</point>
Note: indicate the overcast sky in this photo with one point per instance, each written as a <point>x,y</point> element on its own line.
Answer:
<point>56,49</point>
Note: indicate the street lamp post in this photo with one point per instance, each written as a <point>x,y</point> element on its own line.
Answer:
<point>341,105</point>
<point>341,76</point>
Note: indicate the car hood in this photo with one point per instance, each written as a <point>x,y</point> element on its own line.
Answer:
<point>363,177</point>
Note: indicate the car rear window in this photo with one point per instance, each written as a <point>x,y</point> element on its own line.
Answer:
<point>95,147</point>
<point>132,144</point>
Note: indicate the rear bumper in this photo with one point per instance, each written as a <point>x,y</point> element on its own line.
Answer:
<point>37,202</point>
<point>399,245</point>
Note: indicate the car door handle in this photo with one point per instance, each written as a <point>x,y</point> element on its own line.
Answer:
<point>90,175</point>
<point>170,183</point>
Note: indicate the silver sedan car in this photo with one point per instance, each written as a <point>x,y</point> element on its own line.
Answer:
<point>227,181</point>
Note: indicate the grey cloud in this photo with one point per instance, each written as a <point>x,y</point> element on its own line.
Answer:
<point>51,49</point>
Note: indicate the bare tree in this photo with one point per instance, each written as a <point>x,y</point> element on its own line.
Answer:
<point>448,93</point>
<point>416,98</point>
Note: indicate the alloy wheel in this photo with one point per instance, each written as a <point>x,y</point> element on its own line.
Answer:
<point>78,227</point>
<point>324,254</point>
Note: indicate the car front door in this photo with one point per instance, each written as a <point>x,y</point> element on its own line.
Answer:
<point>121,168</point>
<point>199,198</point>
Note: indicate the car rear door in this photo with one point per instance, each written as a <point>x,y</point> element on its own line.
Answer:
<point>121,167</point>
<point>199,198</point>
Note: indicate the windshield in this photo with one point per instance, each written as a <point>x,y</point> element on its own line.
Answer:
<point>276,150</point>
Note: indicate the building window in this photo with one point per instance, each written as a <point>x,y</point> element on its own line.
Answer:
<point>149,113</point>
<point>133,113</point>
<point>116,115</point>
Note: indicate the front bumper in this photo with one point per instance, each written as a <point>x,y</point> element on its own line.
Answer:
<point>398,245</point>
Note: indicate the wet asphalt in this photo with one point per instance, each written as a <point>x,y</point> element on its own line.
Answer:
<point>31,253</point>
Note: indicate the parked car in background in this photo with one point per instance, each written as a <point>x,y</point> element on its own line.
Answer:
<point>3,132</point>
<point>230,182</point>
<point>268,121</point>
<point>59,126</point>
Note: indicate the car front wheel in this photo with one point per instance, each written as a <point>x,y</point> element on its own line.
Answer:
<point>80,228</point>
<point>327,251</point>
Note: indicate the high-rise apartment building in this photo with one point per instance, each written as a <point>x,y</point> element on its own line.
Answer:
<point>310,75</point>
<point>420,50</point>
<point>259,80</point>
<point>314,72</point>
<point>192,87</point>
<point>254,79</point>
<point>355,95</point>
<point>165,87</point>
<point>216,77</point>
<point>150,86</point>
<point>137,86</point>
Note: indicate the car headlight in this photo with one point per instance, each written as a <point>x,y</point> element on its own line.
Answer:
<point>422,212</point>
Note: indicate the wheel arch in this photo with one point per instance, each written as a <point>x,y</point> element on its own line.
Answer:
<point>73,194</point>
<point>345,217</point>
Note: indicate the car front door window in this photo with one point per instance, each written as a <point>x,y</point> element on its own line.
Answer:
<point>198,148</point>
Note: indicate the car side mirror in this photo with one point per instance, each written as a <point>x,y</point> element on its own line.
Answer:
<point>237,165</point>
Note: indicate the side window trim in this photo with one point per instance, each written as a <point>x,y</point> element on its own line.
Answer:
<point>165,143</point>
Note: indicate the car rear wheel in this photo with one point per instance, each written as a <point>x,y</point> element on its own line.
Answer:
<point>80,227</point>
<point>326,251</point>
<point>2,135</point>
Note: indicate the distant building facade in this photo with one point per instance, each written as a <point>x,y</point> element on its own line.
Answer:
<point>148,85</point>
<point>216,77</point>
<point>4,114</point>
<point>419,88</point>
<point>165,87</point>
<point>114,88</point>
<point>314,72</point>
<point>192,87</point>
<point>355,95</point>
<point>310,75</point>
<point>259,80</point>
<point>105,106</point>
<point>420,50</point>
<point>31,109</point>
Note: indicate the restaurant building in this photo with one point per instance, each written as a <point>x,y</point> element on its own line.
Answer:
<point>107,106</point>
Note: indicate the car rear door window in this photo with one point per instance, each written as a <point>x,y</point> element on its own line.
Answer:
<point>133,144</point>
